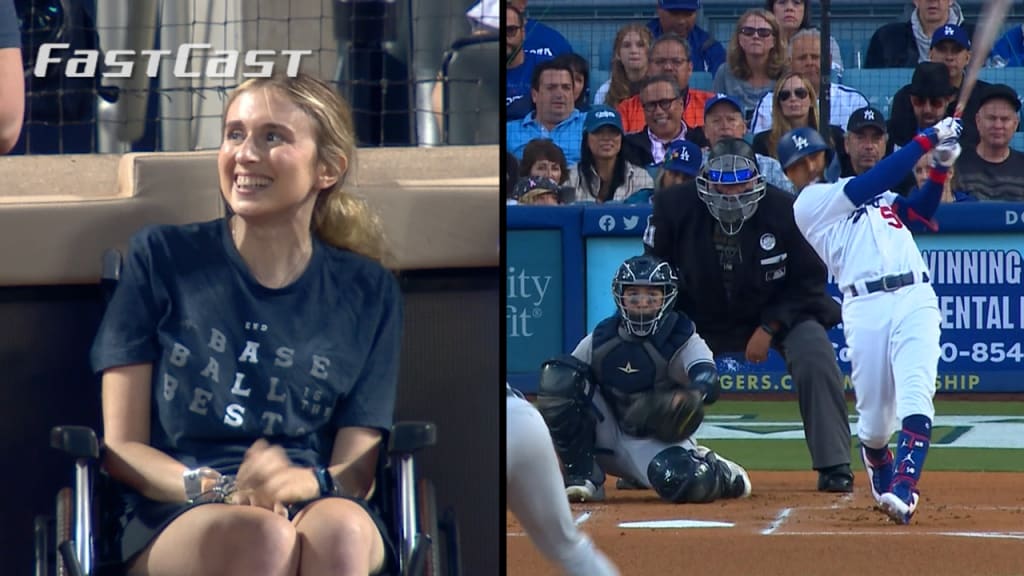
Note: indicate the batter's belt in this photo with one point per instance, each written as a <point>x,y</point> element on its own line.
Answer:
<point>886,283</point>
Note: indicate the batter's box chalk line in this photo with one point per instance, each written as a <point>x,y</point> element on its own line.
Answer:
<point>676,524</point>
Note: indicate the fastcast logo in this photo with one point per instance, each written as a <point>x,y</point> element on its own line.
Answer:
<point>121,63</point>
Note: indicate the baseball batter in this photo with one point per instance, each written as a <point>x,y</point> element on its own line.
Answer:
<point>891,318</point>
<point>631,395</point>
<point>536,497</point>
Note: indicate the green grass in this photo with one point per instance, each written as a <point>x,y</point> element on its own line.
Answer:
<point>788,410</point>
<point>793,455</point>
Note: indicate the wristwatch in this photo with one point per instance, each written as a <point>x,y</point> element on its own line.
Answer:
<point>193,479</point>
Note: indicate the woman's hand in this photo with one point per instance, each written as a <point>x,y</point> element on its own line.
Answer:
<point>269,479</point>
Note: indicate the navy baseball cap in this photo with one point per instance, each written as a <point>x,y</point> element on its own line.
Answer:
<point>862,118</point>
<point>1000,91</point>
<point>689,5</point>
<point>951,32</point>
<point>723,98</point>
<point>599,116</point>
<point>683,156</point>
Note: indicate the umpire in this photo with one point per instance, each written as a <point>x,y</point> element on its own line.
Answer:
<point>749,280</point>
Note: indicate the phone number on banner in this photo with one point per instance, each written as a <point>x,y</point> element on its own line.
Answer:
<point>994,352</point>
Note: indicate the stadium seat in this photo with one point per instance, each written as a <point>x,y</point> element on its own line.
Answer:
<point>1017,141</point>
<point>701,80</point>
<point>878,84</point>
<point>472,91</point>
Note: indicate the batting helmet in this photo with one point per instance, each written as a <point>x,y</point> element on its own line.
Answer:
<point>799,143</point>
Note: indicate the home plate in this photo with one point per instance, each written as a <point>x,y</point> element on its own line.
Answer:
<point>676,524</point>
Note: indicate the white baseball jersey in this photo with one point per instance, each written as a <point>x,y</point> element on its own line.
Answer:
<point>858,244</point>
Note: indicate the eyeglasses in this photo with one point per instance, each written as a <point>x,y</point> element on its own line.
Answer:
<point>512,30</point>
<point>664,104</point>
<point>934,102</point>
<point>800,93</point>
<point>750,31</point>
<point>677,62</point>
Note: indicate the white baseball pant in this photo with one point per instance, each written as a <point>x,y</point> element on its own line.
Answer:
<point>536,495</point>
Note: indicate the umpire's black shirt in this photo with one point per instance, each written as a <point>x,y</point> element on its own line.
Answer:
<point>778,278</point>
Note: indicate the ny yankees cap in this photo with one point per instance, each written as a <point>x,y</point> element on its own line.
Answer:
<point>690,5</point>
<point>599,116</point>
<point>951,32</point>
<point>723,98</point>
<point>529,188</point>
<point>865,117</point>
<point>683,156</point>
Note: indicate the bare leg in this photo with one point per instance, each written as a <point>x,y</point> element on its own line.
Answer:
<point>339,538</point>
<point>222,540</point>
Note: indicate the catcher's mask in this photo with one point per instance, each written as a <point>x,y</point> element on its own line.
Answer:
<point>730,166</point>
<point>649,272</point>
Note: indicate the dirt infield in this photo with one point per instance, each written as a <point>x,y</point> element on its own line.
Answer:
<point>967,523</point>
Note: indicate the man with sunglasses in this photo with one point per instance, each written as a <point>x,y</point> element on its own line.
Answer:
<point>951,47</point>
<point>680,17</point>
<point>750,282</point>
<point>804,50</point>
<point>930,93</point>
<point>669,55</point>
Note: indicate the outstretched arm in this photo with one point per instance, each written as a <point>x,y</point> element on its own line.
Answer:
<point>924,201</point>
<point>893,169</point>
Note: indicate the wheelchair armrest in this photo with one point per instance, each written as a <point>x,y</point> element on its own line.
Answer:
<point>76,441</point>
<point>411,437</point>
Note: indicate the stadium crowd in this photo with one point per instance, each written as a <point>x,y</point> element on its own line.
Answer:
<point>645,121</point>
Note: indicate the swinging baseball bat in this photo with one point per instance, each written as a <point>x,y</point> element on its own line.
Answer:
<point>993,14</point>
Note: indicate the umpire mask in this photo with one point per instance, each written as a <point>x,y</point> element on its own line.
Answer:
<point>732,187</point>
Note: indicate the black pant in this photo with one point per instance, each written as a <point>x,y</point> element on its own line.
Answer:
<point>811,362</point>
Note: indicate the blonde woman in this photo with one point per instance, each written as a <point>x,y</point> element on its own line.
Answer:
<point>756,59</point>
<point>794,105</point>
<point>249,364</point>
<point>629,65</point>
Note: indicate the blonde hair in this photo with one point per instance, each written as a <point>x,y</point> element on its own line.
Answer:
<point>737,58</point>
<point>781,124</point>
<point>339,218</point>
<point>619,85</point>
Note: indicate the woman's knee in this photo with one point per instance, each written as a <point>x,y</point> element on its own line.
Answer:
<point>257,538</point>
<point>343,530</point>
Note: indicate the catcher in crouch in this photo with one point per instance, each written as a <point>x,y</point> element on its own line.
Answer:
<point>631,395</point>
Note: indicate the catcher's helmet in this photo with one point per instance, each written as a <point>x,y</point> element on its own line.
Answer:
<point>644,271</point>
<point>731,161</point>
<point>799,143</point>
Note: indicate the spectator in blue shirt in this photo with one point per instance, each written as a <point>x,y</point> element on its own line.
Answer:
<point>680,17</point>
<point>12,79</point>
<point>554,116</point>
<point>541,39</point>
<point>1009,50</point>
<point>519,66</point>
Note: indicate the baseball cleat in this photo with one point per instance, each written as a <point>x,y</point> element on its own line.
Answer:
<point>737,480</point>
<point>584,491</point>
<point>900,510</point>
<point>879,475</point>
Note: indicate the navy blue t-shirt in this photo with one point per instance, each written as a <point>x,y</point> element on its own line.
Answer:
<point>234,361</point>
<point>543,40</point>
<point>10,34</point>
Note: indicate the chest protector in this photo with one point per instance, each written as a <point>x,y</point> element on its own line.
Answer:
<point>625,369</point>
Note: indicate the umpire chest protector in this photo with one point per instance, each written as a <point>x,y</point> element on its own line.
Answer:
<point>624,367</point>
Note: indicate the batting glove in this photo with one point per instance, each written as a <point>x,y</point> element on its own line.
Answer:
<point>946,153</point>
<point>948,128</point>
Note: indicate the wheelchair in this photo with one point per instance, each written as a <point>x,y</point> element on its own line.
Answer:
<point>76,541</point>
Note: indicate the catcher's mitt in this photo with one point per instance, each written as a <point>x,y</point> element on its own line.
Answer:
<point>668,415</point>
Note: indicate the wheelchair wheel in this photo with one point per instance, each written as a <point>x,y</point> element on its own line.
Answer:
<point>429,527</point>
